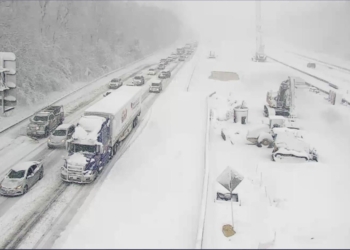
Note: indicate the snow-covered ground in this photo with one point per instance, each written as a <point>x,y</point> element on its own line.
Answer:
<point>282,205</point>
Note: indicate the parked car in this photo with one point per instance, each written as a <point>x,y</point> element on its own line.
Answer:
<point>182,58</point>
<point>21,177</point>
<point>161,66</point>
<point>115,83</point>
<point>138,80</point>
<point>61,134</point>
<point>45,121</point>
<point>156,86</point>
<point>164,74</point>
<point>152,72</point>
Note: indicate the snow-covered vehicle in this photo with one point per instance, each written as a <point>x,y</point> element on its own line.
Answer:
<point>164,74</point>
<point>156,86</point>
<point>115,83</point>
<point>152,72</point>
<point>259,57</point>
<point>98,134</point>
<point>138,80</point>
<point>288,146</point>
<point>45,121</point>
<point>61,134</point>
<point>161,66</point>
<point>21,177</point>
<point>264,134</point>
<point>163,61</point>
<point>182,58</point>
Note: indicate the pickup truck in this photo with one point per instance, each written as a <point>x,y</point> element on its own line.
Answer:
<point>45,121</point>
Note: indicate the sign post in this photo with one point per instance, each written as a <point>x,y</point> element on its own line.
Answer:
<point>230,179</point>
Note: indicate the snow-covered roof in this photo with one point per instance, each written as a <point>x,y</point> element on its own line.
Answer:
<point>277,117</point>
<point>23,165</point>
<point>115,101</point>
<point>290,142</point>
<point>158,81</point>
<point>7,56</point>
<point>88,128</point>
<point>64,126</point>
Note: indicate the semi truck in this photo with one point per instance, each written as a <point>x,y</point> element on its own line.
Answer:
<point>99,132</point>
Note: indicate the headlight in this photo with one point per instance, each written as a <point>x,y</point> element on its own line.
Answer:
<point>49,140</point>
<point>63,140</point>
<point>37,128</point>
<point>19,187</point>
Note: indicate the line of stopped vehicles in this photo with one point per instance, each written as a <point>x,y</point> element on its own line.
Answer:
<point>95,139</point>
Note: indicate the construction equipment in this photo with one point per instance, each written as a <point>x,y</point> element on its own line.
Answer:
<point>282,102</point>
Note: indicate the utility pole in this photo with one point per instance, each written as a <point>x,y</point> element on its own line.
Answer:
<point>259,50</point>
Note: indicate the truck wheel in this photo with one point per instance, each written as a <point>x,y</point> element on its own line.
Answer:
<point>25,189</point>
<point>135,122</point>
<point>46,132</point>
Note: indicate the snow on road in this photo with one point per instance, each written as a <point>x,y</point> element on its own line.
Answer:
<point>151,197</point>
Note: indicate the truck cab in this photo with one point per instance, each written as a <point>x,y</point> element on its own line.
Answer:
<point>88,150</point>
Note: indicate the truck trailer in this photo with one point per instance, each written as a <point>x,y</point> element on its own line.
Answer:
<point>99,132</point>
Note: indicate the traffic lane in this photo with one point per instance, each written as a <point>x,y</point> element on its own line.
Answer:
<point>44,152</point>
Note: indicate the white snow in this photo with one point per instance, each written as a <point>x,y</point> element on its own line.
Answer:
<point>22,165</point>
<point>77,159</point>
<point>88,128</point>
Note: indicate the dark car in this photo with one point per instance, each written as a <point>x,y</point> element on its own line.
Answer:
<point>156,86</point>
<point>164,74</point>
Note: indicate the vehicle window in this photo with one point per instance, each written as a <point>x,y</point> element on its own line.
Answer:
<point>34,167</point>
<point>40,118</point>
<point>84,148</point>
<point>30,171</point>
<point>61,132</point>
<point>16,174</point>
<point>71,130</point>
<point>137,77</point>
<point>155,84</point>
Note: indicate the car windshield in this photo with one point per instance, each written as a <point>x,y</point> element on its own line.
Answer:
<point>40,118</point>
<point>16,174</point>
<point>78,148</point>
<point>151,69</point>
<point>115,80</point>
<point>137,77</point>
<point>156,84</point>
<point>60,132</point>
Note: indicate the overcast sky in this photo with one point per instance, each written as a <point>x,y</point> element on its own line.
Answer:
<point>323,25</point>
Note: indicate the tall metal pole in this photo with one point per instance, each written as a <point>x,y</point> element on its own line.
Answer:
<point>259,44</point>
<point>231,200</point>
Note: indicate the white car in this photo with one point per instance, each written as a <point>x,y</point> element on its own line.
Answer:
<point>21,177</point>
<point>152,72</point>
<point>115,83</point>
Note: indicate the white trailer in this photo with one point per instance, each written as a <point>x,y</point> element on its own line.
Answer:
<point>122,107</point>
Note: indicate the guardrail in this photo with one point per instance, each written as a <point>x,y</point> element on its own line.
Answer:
<point>74,91</point>
<point>200,233</point>
<point>309,84</point>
